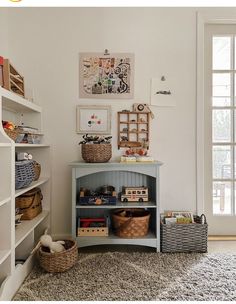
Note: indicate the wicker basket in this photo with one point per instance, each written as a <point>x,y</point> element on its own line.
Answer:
<point>37,170</point>
<point>24,173</point>
<point>30,204</point>
<point>13,134</point>
<point>184,237</point>
<point>96,153</point>
<point>131,227</point>
<point>59,261</point>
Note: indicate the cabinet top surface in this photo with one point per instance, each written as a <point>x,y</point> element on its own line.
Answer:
<point>14,102</point>
<point>114,164</point>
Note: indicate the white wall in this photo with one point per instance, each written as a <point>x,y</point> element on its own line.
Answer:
<point>4,32</point>
<point>44,45</point>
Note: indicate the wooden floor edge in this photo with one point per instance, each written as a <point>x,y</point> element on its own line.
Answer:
<point>222,238</point>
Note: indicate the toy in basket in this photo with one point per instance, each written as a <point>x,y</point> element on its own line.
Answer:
<point>56,256</point>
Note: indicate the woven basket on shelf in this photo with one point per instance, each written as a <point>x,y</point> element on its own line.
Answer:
<point>59,261</point>
<point>37,170</point>
<point>30,203</point>
<point>13,134</point>
<point>131,227</point>
<point>24,173</point>
<point>96,153</point>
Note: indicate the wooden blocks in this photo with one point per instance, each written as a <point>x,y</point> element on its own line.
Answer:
<point>12,80</point>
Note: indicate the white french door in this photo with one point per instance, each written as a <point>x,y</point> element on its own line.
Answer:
<point>220,129</point>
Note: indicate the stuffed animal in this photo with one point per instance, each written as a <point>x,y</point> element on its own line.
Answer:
<point>46,241</point>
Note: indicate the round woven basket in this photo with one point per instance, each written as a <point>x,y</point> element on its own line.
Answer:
<point>96,153</point>
<point>59,261</point>
<point>131,227</point>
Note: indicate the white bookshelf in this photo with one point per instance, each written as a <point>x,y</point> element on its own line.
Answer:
<point>17,242</point>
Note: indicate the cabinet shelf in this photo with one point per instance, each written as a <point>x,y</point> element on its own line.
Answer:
<point>133,122</point>
<point>120,205</point>
<point>31,146</point>
<point>4,254</point>
<point>26,227</point>
<point>5,144</point>
<point>15,103</point>
<point>39,182</point>
<point>149,240</point>
<point>92,176</point>
<point>17,242</point>
<point>5,201</point>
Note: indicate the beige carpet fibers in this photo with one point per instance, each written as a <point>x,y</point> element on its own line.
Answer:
<point>137,276</point>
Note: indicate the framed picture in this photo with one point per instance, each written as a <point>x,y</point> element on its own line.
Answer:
<point>93,119</point>
<point>106,75</point>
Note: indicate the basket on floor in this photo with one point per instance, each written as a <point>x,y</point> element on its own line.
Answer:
<point>24,173</point>
<point>185,237</point>
<point>59,261</point>
<point>96,153</point>
<point>134,225</point>
<point>30,203</point>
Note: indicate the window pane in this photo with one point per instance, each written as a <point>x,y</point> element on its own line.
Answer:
<point>222,162</point>
<point>221,102</point>
<point>221,84</point>
<point>221,123</point>
<point>221,198</point>
<point>221,53</point>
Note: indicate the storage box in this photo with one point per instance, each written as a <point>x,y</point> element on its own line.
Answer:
<point>184,237</point>
<point>85,229</point>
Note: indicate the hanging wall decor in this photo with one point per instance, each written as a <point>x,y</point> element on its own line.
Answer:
<point>104,75</point>
<point>93,119</point>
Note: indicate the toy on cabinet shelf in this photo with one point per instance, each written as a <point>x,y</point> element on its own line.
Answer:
<point>93,226</point>
<point>105,195</point>
<point>134,194</point>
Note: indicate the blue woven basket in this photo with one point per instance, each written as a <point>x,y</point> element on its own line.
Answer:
<point>24,174</point>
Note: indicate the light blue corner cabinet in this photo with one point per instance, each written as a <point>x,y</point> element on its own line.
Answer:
<point>95,175</point>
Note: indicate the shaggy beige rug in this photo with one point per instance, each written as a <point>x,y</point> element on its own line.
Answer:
<point>137,276</point>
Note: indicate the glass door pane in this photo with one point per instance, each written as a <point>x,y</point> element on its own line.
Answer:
<point>222,167</point>
<point>221,53</point>
<point>221,125</point>
<point>222,198</point>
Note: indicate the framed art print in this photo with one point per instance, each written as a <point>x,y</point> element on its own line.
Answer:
<point>93,119</point>
<point>106,75</point>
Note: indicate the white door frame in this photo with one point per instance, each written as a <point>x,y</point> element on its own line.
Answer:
<point>202,20</point>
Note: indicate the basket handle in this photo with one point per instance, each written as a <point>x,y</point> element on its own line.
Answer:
<point>203,219</point>
<point>41,197</point>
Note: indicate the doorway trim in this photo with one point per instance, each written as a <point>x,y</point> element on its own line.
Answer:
<point>202,20</point>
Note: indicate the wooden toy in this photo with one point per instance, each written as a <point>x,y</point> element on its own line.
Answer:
<point>134,194</point>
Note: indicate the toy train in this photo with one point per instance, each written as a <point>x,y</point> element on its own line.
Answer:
<point>134,194</point>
